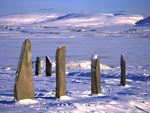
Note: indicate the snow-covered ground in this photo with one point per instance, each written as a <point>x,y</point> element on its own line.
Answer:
<point>84,34</point>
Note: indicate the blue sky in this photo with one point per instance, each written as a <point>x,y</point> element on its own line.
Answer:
<point>70,6</point>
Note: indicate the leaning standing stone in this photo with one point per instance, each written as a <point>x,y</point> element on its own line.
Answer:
<point>48,66</point>
<point>95,75</point>
<point>24,85</point>
<point>60,72</point>
<point>123,70</point>
<point>38,66</point>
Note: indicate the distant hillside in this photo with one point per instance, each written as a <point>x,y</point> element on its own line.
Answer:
<point>143,22</point>
<point>72,19</point>
<point>72,15</point>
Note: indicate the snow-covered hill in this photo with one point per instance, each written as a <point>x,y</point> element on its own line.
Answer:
<point>144,22</point>
<point>81,19</point>
<point>52,25</point>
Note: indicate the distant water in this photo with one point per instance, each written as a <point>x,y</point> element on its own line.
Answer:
<point>136,49</point>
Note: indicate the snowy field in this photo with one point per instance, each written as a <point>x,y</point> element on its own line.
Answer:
<point>83,34</point>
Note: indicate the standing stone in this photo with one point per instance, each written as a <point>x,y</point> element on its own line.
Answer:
<point>95,75</point>
<point>123,70</point>
<point>24,85</point>
<point>48,66</point>
<point>38,66</point>
<point>60,71</point>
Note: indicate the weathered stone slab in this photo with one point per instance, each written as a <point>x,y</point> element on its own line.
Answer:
<point>60,71</point>
<point>38,66</point>
<point>24,85</point>
<point>95,75</point>
<point>123,70</point>
<point>48,66</point>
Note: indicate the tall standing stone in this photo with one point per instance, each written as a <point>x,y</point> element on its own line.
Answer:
<point>48,66</point>
<point>95,75</point>
<point>60,71</point>
<point>38,66</point>
<point>24,85</point>
<point>123,70</point>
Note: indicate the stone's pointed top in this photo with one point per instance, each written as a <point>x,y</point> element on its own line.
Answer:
<point>94,57</point>
<point>48,66</point>
<point>61,47</point>
<point>27,44</point>
<point>122,57</point>
<point>49,59</point>
<point>27,41</point>
<point>38,57</point>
